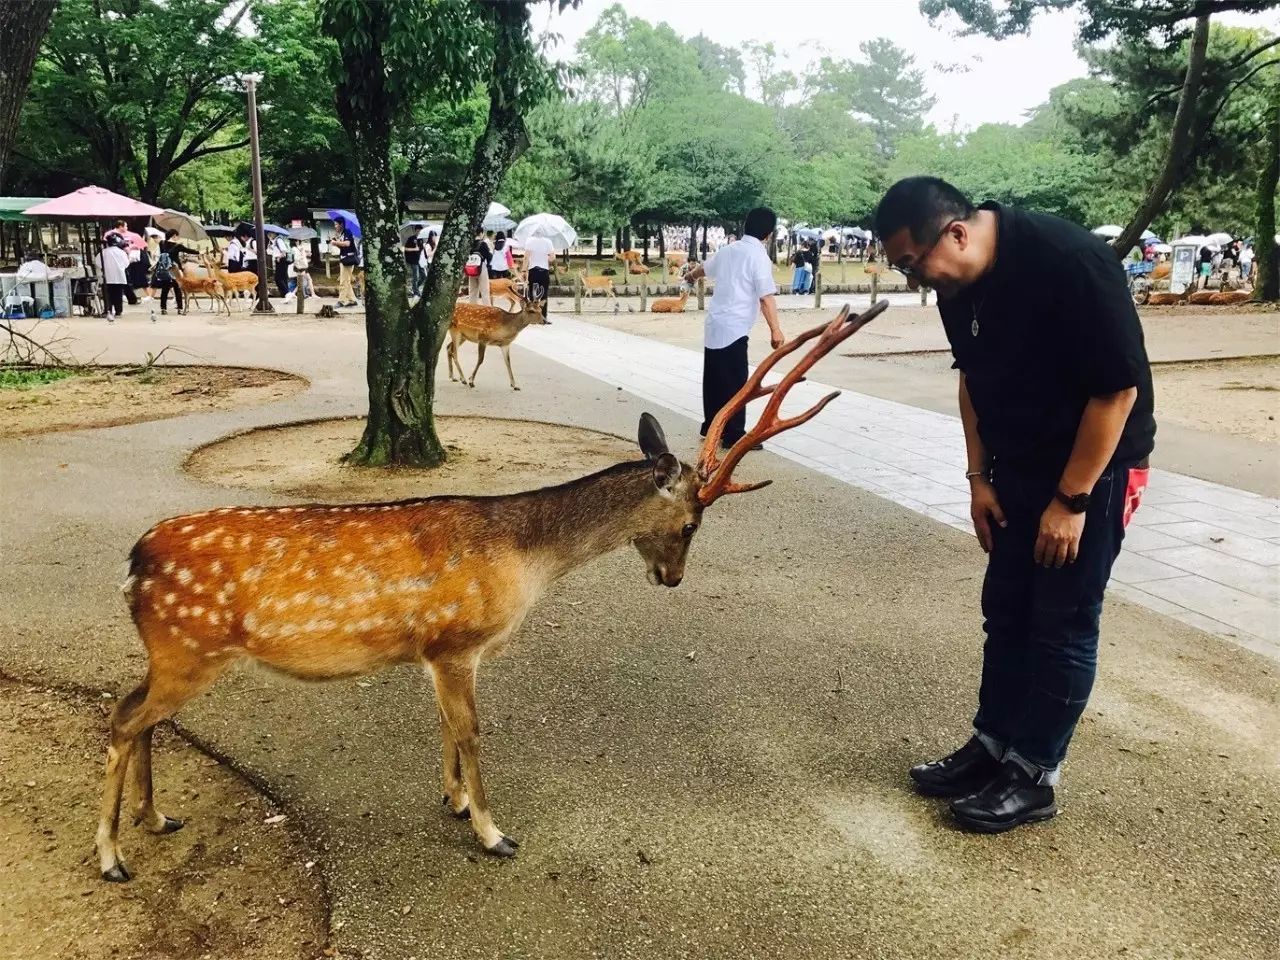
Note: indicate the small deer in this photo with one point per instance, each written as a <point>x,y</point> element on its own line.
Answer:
<point>672,304</point>
<point>635,266</point>
<point>232,283</point>
<point>321,591</point>
<point>512,288</point>
<point>193,286</point>
<point>491,326</point>
<point>594,285</point>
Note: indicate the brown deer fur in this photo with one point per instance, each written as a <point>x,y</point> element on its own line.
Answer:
<point>671,304</point>
<point>490,326</point>
<point>231,282</point>
<point>193,286</point>
<point>594,285</point>
<point>1202,297</point>
<point>637,267</point>
<point>324,591</point>
<point>1224,298</point>
<point>1166,299</point>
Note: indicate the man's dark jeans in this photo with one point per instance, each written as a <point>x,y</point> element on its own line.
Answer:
<point>724,371</point>
<point>1041,652</point>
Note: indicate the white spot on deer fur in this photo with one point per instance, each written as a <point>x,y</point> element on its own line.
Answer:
<point>453,562</point>
<point>190,644</point>
<point>473,588</point>
<point>214,617</point>
<point>182,611</point>
<point>198,588</point>
<point>188,528</point>
<point>221,598</point>
<point>169,566</point>
<point>245,541</point>
<point>310,574</point>
<point>184,575</point>
<point>229,588</point>
<point>175,632</point>
<point>147,584</point>
<point>251,621</point>
<point>169,598</point>
<point>228,543</point>
<point>252,575</point>
<point>450,610</point>
<point>215,567</point>
<point>197,611</point>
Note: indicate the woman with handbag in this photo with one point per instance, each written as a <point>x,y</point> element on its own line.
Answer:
<point>477,270</point>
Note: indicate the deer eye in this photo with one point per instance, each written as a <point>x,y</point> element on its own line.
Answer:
<point>688,530</point>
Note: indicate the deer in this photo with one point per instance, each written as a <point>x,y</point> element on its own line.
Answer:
<point>1165,298</point>
<point>672,304</point>
<point>491,326</point>
<point>193,286</point>
<point>635,266</point>
<point>594,285</point>
<point>512,288</point>
<point>232,283</point>
<point>322,591</point>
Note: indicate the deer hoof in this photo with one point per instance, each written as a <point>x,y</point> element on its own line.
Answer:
<point>170,825</point>
<point>117,874</point>
<point>514,387</point>
<point>506,848</point>
<point>463,814</point>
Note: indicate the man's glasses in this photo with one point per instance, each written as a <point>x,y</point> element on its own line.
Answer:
<point>912,271</point>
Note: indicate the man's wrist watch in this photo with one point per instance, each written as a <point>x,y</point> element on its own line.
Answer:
<point>1076,503</point>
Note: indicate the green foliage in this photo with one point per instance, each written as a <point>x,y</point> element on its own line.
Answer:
<point>884,88</point>
<point>25,378</point>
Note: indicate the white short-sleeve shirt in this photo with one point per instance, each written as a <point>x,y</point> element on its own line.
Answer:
<point>743,276</point>
<point>539,251</point>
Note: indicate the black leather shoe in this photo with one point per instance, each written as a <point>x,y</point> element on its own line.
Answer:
<point>1008,801</point>
<point>962,773</point>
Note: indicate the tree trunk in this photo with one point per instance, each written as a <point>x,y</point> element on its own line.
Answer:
<point>662,246</point>
<point>1266,284</point>
<point>626,238</point>
<point>23,25</point>
<point>1180,144</point>
<point>599,244</point>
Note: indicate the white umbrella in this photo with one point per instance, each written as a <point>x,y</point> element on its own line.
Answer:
<point>1150,235</point>
<point>1193,239</point>
<point>1220,239</point>
<point>1162,248</point>
<point>188,227</point>
<point>497,210</point>
<point>548,225</point>
<point>1108,230</point>
<point>498,222</point>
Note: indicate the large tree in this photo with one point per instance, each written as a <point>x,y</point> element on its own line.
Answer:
<point>390,51</point>
<point>883,87</point>
<point>1267,282</point>
<point>23,26</point>
<point>126,92</point>
<point>1139,22</point>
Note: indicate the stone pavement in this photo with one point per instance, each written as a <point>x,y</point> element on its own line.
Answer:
<point>1201,552</point>
<point>710,772</point>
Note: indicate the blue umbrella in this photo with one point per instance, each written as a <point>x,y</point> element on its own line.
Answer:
<point>347,217</point>
<point>272,228</point>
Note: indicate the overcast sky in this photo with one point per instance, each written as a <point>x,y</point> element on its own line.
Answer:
<point>1004,80</point>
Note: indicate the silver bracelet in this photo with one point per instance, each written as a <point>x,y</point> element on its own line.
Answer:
<point>976,473</point>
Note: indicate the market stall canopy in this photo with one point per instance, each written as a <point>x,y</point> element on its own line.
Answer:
<point>188,227</point>
<point>1108,230</point>
<point>92,203</point>
<point>11,208</point>
<point>549,226</point>
<point>1193,239</point>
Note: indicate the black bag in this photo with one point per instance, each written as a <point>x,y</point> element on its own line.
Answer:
<point>350,257</point>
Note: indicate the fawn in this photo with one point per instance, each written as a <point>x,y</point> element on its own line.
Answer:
<point>232,283</point>
<point>326,591</point>
<point>491,326</point>
<point>593,285</point>
<point>192,286</point>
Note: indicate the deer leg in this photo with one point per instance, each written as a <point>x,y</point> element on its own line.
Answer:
<point>451,353</point>
<point>456,694</point>
<point>455,793</point>
<point>145,812</point>
<point>165,690</point>
<point>479,360</point>
<point>506,355</point>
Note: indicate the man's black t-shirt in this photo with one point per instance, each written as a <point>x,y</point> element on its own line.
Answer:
<point>1050,326</point>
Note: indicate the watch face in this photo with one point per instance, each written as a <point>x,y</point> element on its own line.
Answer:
<point>1080,502</point>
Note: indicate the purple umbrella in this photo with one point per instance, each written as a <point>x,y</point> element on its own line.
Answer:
<point>349,218</point>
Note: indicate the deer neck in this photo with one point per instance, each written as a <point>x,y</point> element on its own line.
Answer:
<point>561,528</point>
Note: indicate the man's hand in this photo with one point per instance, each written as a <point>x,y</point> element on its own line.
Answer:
<point>775,337</point>
<point>1059,539</point>
<point>984,508</point>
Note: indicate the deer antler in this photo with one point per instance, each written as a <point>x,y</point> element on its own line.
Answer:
<point>714,473</point>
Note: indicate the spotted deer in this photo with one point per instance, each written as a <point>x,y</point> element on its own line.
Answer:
<point>491,326</point>
<point>325,591</point>
<point>593,285</point>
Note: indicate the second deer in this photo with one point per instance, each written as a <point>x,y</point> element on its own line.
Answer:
<point>487,326</point>
<point>326,591</point>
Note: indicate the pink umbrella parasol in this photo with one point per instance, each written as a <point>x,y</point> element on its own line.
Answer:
<point>133,240</point>
<point>92,203</point>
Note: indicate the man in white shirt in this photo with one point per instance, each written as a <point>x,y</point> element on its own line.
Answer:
<point>538,252</point>
<point>744,284</point>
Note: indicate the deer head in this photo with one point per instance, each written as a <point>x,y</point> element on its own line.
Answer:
<point>673,515</point>
<point>530,311</point>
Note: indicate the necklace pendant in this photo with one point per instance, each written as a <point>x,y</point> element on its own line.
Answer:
<point>973,327</point>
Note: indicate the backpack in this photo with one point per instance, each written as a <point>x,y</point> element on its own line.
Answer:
<point>472,267</point>
<point>163,262</point>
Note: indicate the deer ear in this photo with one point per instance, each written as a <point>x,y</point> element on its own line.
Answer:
<point>666,472</point>
<point>652,440</point>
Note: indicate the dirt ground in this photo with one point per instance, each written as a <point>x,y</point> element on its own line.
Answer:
<point>486,456</point>
<point>111,396</point>
<point>1237,397</point>
<point>236,887</point>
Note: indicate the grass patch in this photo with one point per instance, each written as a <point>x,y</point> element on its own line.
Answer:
<point>26,378</point>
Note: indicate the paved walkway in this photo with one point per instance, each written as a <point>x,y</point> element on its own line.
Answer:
<point>1201,552</point>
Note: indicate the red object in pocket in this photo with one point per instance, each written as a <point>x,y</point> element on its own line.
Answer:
<point>1133,492</point>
